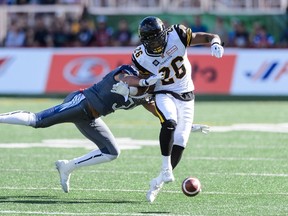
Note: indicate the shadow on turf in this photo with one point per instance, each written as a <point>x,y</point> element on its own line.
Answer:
<point>53,200</point>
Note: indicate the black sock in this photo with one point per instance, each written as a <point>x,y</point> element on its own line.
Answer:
<point>176,155</point>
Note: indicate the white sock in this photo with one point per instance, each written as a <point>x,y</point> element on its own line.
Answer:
<point>166,162</point>
<point>92,158</point>
<point>18,118</point>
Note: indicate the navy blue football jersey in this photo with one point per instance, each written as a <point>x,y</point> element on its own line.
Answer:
<point>104,101</point>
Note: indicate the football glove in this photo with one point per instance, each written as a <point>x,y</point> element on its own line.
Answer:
<point>200,128</point>
<point>151,80</point>
<point>216,49</point>
<point>121,88</point>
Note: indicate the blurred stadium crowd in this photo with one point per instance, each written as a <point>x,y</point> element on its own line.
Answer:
<point>51,30</point>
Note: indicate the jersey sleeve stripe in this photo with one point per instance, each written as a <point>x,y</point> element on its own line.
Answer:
<point>139,67</point>
<point>189,36</point>
<point>182,35</point>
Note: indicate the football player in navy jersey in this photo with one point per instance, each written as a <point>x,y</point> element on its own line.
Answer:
<point>84,108</point>
<point>164,51</point>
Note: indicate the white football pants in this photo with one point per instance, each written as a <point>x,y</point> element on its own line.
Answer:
<point>180,111</point>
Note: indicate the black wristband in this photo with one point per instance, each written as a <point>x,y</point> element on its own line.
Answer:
<point>222,44</point>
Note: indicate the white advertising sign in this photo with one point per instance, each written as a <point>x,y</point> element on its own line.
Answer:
<point>261,72</point>
<point>24,71</point>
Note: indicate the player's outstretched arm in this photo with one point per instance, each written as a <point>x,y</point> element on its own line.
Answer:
<point>217,49</point>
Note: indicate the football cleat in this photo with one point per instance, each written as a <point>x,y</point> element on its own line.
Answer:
<point>64,169</point>
<point>167,175</point>
<point>155,188</point>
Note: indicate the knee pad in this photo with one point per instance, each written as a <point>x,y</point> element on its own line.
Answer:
<point>169,124</point>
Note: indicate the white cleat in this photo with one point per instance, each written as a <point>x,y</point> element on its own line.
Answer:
<point>167,175</point>
<point>156,184</point>
<point>155,188</point>
<point>65,173</point>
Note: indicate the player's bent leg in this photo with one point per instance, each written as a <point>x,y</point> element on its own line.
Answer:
<point>92,158</point>
<point>166,143</point>
<point>167,136</point>
<point>166,174</point>
<point>66,167</point>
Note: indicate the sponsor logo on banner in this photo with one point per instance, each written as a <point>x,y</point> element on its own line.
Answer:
<point>85,71</point>
<point>265,75</point>
<point>72,72</point>
<point>269,70</point>
<point>3,64</point>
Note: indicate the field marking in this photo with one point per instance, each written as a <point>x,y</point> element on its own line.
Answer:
<point>124,143</point>
<point>144,191</point>
<point>274,128</point>
<point>250,174</point>
<point>141,173</point>
<point>71,213</point>
<point>128,143</point>
<point>229,146</point>
<point>217,158</point>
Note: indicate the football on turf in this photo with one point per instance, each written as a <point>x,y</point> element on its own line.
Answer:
<point>191,186</point>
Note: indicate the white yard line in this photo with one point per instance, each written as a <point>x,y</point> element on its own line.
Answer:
<point>274,128</point>
<point>124,143</point>
<point>144,173</point>
<point>2,212</point>
<point>144,191</point>
<point>128,143</point>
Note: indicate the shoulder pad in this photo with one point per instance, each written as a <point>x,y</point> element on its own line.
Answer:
<point>184,33</point>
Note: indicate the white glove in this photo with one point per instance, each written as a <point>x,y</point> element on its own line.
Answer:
<point>151,80</point>
<point>216,49</point>
<point>121,88</point>
<point>200,128</point>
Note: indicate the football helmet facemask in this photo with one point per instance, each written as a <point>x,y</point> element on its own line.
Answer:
<point>153,35</point>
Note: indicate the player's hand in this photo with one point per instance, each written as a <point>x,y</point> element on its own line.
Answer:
<point>200,128</point>
<point>121,88</point>
<point>217,50</point>
<point>151,80</point>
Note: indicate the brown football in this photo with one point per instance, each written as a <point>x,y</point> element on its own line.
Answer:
<point>191,186</point>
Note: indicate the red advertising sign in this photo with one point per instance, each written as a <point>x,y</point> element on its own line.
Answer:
<point>72,72</point>
<point>211,75</point>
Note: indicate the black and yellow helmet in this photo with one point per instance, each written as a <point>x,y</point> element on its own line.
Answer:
<point>152,34</point>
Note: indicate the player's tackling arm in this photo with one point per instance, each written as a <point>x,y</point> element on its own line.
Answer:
<point>132,80</point>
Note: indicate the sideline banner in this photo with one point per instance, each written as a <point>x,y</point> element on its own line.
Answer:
<point>211,75</point>
<point>261,72</point>
<point>239,72</point>
<point>70,72</point>
<point>24,71</point>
